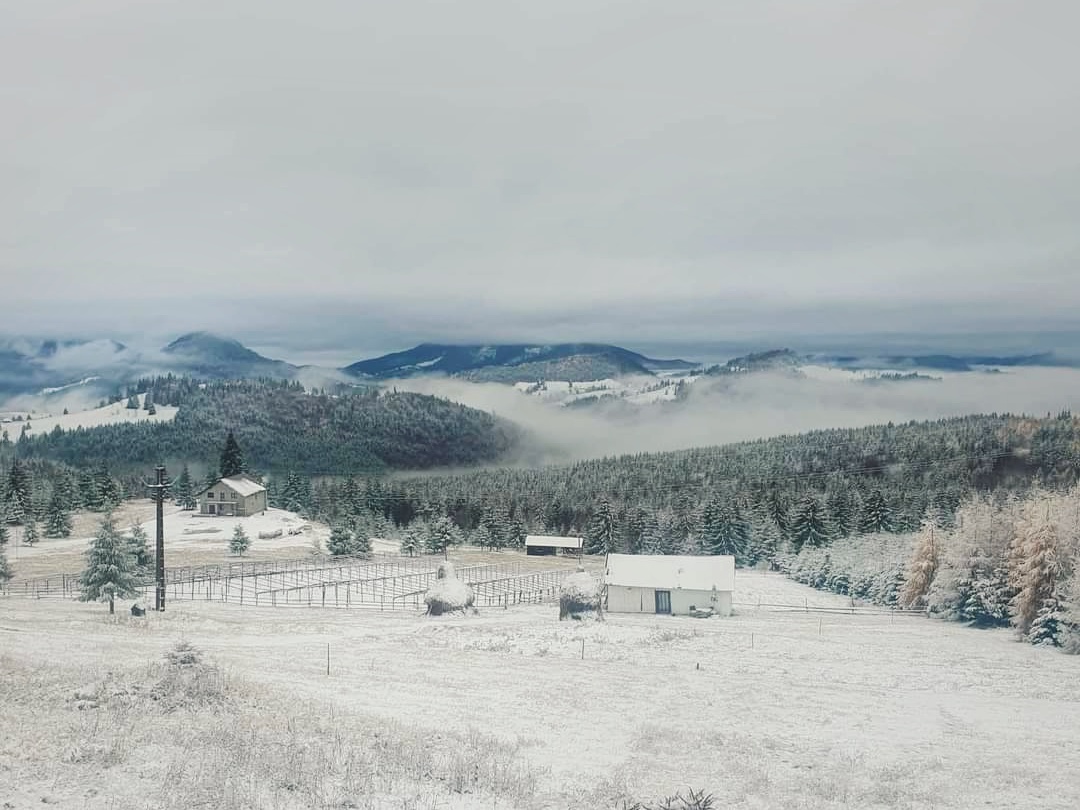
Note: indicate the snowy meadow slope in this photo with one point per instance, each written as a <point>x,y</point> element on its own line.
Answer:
<point>770,708</point>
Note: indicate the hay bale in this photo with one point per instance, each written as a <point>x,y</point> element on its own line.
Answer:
<point>579,593</point>
<point>448,593</point>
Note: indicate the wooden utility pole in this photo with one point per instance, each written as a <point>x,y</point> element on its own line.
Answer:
<point>159,566</point>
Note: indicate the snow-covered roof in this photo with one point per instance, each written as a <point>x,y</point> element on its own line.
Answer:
<point>671,572</point>
<point>548,541</point>
<point>240,484</point>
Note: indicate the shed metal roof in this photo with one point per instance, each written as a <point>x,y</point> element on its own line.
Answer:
<point>549,541</point>
<point>670,572</point>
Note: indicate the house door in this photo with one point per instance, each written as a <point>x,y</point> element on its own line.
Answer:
<point>663,602</point>
<point>210,509</point>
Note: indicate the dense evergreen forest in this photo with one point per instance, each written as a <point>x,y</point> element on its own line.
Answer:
<point>282,427</point>
<point>751,499</point>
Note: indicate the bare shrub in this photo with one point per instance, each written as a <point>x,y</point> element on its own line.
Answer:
<point>693,800</point>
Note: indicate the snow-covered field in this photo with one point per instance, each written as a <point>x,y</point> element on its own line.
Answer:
<point>115,414</point>
<point>190,539</point>
<point>767,708</point>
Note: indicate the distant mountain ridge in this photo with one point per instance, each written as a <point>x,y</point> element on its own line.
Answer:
<point>99,366</point>
<point>205,354</point>
<point>514,362</point>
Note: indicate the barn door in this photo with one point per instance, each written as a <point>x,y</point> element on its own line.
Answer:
<point>663,602</point>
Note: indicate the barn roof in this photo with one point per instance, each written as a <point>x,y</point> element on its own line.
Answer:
<point>240,484</point>
<point>548,541</point>
<point>671,572</point>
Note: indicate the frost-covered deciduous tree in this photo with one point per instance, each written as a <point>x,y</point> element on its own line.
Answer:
<point>923,566</point>
<point>1036,568</point>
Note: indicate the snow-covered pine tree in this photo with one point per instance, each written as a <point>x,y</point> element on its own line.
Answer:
<point>652,538</point>
<point>631,529</point>
<point>765,539</point>
<point>481,537</point>
<point>133,402</point>
<point>601,535</point>
<point>232,457</point>
<point>442,534</point>
<point>724,531</point>
<point>810,525</point>
<point>340,543</point>
<point>108,488</point>
<point>410,543</point>
<point>351,497</point>
<point>361,544</point>
<point>139,546</point>
<point>1048,626</point>
<point>5,570</point>
<point>184,490</point>
<point>57,519</point>
<point>110,568</point>
<point>18,494</point>
<point>89,491</point>
<point>876,515</point>
<point>31,535</point>
<point>240,542</point>
<point>923,566</point>
<point>838,505</point>
<point>1070,623</point>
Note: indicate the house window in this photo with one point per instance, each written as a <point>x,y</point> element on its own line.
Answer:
<point>209,496</point>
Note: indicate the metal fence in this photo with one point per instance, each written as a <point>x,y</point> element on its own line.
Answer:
<point>386,582</point>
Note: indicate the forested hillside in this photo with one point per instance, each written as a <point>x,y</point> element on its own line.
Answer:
<point>282,427</point>
<point>750,499</point>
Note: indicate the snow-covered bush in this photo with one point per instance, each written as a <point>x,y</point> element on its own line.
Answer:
<point>579,593</point>
<point>448,593</point>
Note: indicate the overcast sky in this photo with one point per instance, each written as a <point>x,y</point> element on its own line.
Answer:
<point>390,172</point>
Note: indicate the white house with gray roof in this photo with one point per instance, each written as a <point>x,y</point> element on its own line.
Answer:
<point>235,496</point>
<point>669,584</point>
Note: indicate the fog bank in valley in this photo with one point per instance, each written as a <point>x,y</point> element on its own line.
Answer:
<point>731,409</point>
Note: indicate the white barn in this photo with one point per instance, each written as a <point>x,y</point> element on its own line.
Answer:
<point>543,544</point>
<point>660,583</point>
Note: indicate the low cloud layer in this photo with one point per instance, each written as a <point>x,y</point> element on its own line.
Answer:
<point>760,405</point>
